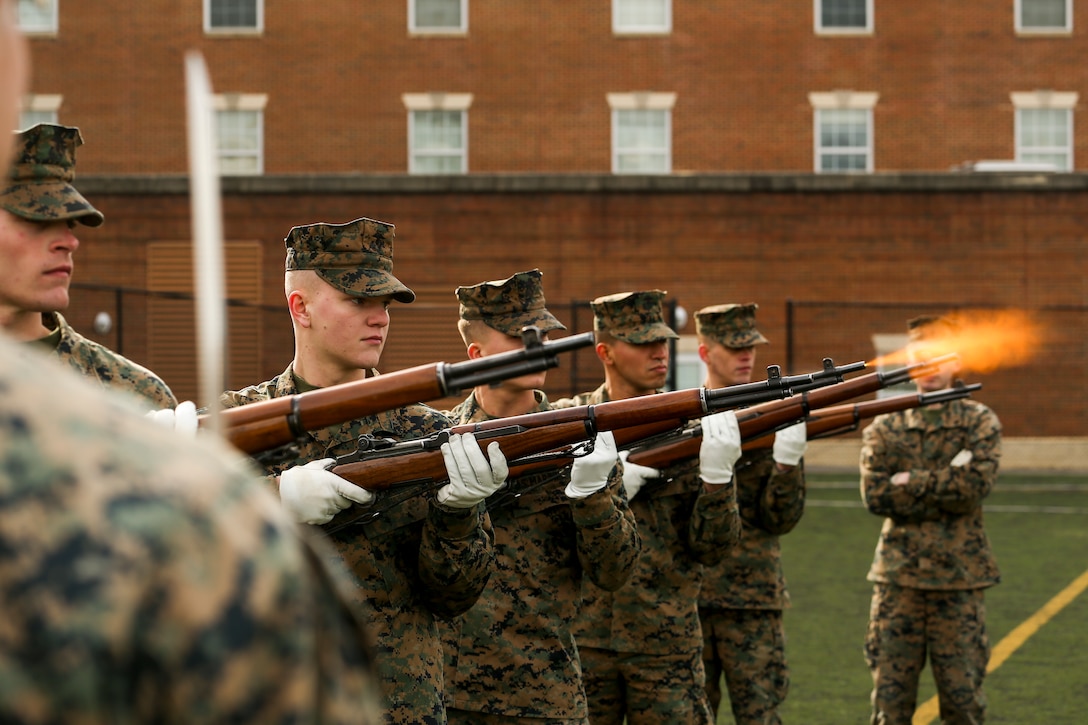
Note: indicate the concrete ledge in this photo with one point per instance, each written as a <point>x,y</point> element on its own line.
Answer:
<point>1067,456</point>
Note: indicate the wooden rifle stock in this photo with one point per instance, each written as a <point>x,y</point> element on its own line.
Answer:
<point>772,416</point>
<point>839,419</point>
<point>269,424</point>
<point>383,464</point>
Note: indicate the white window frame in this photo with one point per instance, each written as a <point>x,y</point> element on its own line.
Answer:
<point>641,101</point>
<point>449,102</point>
<point>1021,29</point>
<point>889,350</point>
<point>1050,101</point>
<point>619,28</point>
<point>415,29</point>
<point>849,101</point>
<point>242,103</point>
<point>234,29</point>
<point>39,108</point>
<point>818,26</point>
<point>50,28</point>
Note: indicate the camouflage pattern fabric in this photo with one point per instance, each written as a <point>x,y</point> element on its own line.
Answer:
<point>634,317</point>
<point>904,625</point>
<point>355,258</point>
<point>748,648</point>
<point>747,585</point>
<point>97,362</point>
<point>508,305</point>
<point>640,689</point>
<point>730,325</point>
<point>151,578</point>
<point>416,562</point>
<point>933,541</point>
<point>656,613</point>
<point>39,184</point>
<point>513,653</point>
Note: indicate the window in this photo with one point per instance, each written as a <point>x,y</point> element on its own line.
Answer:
<point>641,16</point>
<point>641,132</point>
<point>233,15</point>
<point>843,131</point>
<point>37,16</point>
<point>1047,16</point>
<point>437,132</point>
<point>38,108</point>
<point>844,16</point>
<point>438,16</point>
<point>239,127</point>
<point>889,351</point>
<point>1044,128</point>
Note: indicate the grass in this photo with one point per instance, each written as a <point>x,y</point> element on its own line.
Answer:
<point>1038,526</point>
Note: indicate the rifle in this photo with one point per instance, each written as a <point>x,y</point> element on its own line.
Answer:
<point>271,424</point>
<point>661,452</point>
<point>381,464</point>
<point>839,419</point>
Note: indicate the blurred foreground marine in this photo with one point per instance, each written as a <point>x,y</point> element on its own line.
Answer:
<point>426,557</point>
<point>927,471</point>
<point>39,209</point>
<point>742,598</point>
<point>512,657</point>
<point>151,578</point>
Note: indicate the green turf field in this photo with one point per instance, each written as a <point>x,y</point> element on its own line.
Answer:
<point>1038,526</point>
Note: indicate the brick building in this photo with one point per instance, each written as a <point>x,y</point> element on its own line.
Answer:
<point>685,145</point>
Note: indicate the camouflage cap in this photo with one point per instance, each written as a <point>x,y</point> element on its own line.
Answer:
<point>927,327</point>
<point>355,258</point>
<point>40,181</point>
<point>634,317</point>
<point>509,304</point>
<point>731,325</point>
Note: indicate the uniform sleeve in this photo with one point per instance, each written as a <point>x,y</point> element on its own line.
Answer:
<point>781,500</point>
<point>608,541</point>
<point>961,489</point>
<point>456,557</point>
<point>878,493</point>
<point>715,527</point>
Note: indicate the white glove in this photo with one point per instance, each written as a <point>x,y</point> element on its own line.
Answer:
<point>635,476</point>
<point>720,447</point>
<point>589,473</point>
<point>962,458</point>
<point>472,477</point>
<point>790,444</point>
<point>182,418</point>
<point>314,495</point>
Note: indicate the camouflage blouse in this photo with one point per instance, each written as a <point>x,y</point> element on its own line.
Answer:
<point>416,561</point>
<point>682,528</point>
<point>149,577</point>
<point>771,503</point>
<point>513,653</point>
<point>111,370</point>
<point>933,535</point>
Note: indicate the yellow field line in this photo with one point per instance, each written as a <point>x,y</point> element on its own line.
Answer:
<point>930,709</point>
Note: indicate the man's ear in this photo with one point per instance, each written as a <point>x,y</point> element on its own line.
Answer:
<point>703,350</point>
<point>475,352</point>
<point>604,352</point>
<point>300,311</point>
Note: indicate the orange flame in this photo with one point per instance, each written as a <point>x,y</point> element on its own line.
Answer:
<point>985,341</point>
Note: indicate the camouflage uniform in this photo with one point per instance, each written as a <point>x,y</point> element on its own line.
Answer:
<point>641,646</point>
<point>742,598</point>
<point>151,578</point>
<point>513,653</point>
<point>933,560</point>
<point>40,189</point>
<point>418,560</point>
<point>98,362</point>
